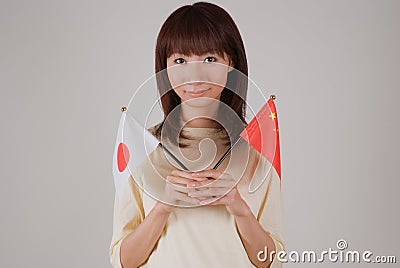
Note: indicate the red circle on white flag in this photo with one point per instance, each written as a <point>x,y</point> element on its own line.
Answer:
<point>122,157</point>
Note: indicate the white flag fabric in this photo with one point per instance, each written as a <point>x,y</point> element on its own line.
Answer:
<point>133,144</point>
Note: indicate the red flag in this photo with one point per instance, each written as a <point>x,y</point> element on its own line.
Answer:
<point>263,134</point>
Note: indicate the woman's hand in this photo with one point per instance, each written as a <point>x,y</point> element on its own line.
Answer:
<point>219,190</point>
<point>177,190</point>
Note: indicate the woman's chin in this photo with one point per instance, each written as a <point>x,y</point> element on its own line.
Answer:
<point>200,102</point>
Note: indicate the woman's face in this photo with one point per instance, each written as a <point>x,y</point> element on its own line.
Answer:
<point>198,78</point>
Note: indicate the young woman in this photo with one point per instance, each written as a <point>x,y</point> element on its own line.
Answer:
<point>205,218</point>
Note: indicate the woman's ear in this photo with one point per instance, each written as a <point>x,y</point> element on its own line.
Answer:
<point>230,68</point>
<point>230,62</point>
<point>231,65</point>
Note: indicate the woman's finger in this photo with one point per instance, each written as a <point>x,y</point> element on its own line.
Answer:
<point>178,180</point>
<point>182,189</point>
<point>219,183</point>
<point>185,174</point>
<point>179,184</point>
<point>210,192</point>
<point>213,201</point>
<point>212,173</point>
<point>186,198</point>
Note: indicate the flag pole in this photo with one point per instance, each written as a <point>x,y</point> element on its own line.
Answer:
<point>173,156</point>
<point>227,152</point>
<point>272,96</point>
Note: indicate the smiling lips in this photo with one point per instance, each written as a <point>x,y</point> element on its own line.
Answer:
<point>196,93</point>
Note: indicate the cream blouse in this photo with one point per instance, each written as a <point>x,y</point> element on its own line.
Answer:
<point>200,236</point>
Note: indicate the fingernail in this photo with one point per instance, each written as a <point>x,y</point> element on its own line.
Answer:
<point>193,184</point>
<point>196,174</point>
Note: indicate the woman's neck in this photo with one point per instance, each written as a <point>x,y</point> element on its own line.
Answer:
<point>201,123</point>
<point>199,117</point>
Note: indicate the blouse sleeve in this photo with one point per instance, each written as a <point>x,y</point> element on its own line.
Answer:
<point>270,214</point>
<point>128,214</point>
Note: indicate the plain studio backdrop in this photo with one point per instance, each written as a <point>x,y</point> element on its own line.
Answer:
<point>66,68</point>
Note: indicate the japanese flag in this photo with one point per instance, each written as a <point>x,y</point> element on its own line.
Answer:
<point>133,145</point>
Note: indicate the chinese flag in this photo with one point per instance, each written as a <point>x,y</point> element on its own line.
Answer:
<point>263,134</point>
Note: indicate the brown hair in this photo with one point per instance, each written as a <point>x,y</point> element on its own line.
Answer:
<point>198,29</point>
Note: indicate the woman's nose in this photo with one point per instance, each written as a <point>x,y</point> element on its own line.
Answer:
<point>196,72</point>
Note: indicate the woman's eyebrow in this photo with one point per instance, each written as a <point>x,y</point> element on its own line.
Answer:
<point>187,55</point>
<point>179,55</point>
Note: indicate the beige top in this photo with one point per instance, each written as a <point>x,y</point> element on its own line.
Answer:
<point>202,236</point>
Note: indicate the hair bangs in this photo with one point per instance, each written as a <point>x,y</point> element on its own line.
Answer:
<point>194,35</point>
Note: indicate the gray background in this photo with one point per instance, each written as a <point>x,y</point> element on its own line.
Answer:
<point>68,66</point>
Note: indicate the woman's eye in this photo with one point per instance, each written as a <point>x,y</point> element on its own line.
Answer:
<point>179,60</point>
<point>210,59</point>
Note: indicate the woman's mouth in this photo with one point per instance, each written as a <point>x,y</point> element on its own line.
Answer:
<point>197,93</point>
